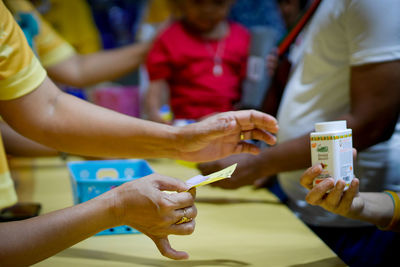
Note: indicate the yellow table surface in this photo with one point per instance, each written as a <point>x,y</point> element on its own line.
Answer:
<point>233,228</point>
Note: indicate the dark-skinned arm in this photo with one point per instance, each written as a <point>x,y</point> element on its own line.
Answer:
<point>375,103</point>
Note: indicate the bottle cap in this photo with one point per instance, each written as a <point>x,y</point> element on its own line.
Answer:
<point>330,126</point>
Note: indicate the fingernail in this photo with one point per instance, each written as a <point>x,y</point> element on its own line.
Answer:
<point>340,185</point>
<point>316,169</point>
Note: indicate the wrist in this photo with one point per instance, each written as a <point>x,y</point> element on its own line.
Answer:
<point>262,164</point>
<point>376,208</point>
<point>179,140</point>
<point>110,209</point>
<point>257,165</point>
<point>391,220</point>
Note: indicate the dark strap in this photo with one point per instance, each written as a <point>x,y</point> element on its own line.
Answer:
<point>292,35</point>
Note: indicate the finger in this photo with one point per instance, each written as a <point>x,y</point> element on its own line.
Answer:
<point>349,195</point>
<point>189,212</point>
<point>259,135</point>
<point>244,147</point>
<point>251,119</point>
<point>186,228</point>
<point>309,175</point>
<point>166,183</point>
<point>180,200</point>
<point>334,197</point>
<point>166,250</point>
<point>315,196</point>
<point>206,168</point>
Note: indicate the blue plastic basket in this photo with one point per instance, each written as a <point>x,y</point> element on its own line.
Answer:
<point>92,178</point>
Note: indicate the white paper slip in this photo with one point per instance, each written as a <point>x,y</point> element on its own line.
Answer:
<point>200,180</point>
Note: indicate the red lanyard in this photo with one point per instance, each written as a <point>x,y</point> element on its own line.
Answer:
<point>292,35</point>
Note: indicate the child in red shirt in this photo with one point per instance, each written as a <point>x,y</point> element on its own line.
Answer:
<point>202,58</point>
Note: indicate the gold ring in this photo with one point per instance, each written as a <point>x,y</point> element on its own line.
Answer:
<point>184,219</point>
<point>241,136</point>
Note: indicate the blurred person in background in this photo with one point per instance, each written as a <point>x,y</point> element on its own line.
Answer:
<point>201,58</point>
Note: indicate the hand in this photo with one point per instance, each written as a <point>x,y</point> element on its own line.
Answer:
<point>143,205</point>
<point>224,134</point>
<point>245,174</point>
<point>346,203</point>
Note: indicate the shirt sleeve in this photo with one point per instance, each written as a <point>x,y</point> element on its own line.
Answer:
<point>373,31</point>
<point>158,61</point>
<point>51,48</point>
<point>20,71</point>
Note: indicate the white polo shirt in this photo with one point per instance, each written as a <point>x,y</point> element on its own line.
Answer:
<point>342,33</point>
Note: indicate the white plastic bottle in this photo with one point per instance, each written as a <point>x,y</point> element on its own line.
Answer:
<point>332,146</point>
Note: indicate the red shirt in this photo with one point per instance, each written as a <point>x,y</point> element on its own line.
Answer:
<point>186,62</point>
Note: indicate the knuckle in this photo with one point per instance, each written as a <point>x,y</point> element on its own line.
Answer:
<point>164,204</point>
<point>163,251</point>
<point>189,228</point>
<point>309,199</point>
<point>194,212</point>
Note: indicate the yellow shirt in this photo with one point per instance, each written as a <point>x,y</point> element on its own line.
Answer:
<point>49,46</point>
<point>74,21</point>
<point>20,74</point>
<point>158,11</point>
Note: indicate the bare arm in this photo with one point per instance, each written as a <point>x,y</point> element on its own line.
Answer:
<point>140,204</point>
<point>84,70</point>
<point>68,124</point>
<point>153,100</point>
<point>375,104</point>
<point>18,145</point>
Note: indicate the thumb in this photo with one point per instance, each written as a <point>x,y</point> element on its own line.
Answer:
<point>166,250</point>
<point>172,184</point>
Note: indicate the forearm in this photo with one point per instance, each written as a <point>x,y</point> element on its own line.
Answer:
<point>378,209</point>
<point>85,70</point>
<point>288,156</point>
<point>17,145</point>
<point>109,65</point>
<point>295,154</point>
<point>29,241</point>
<point>71,125</point>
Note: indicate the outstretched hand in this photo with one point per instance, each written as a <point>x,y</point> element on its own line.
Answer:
<point>224,134</point>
